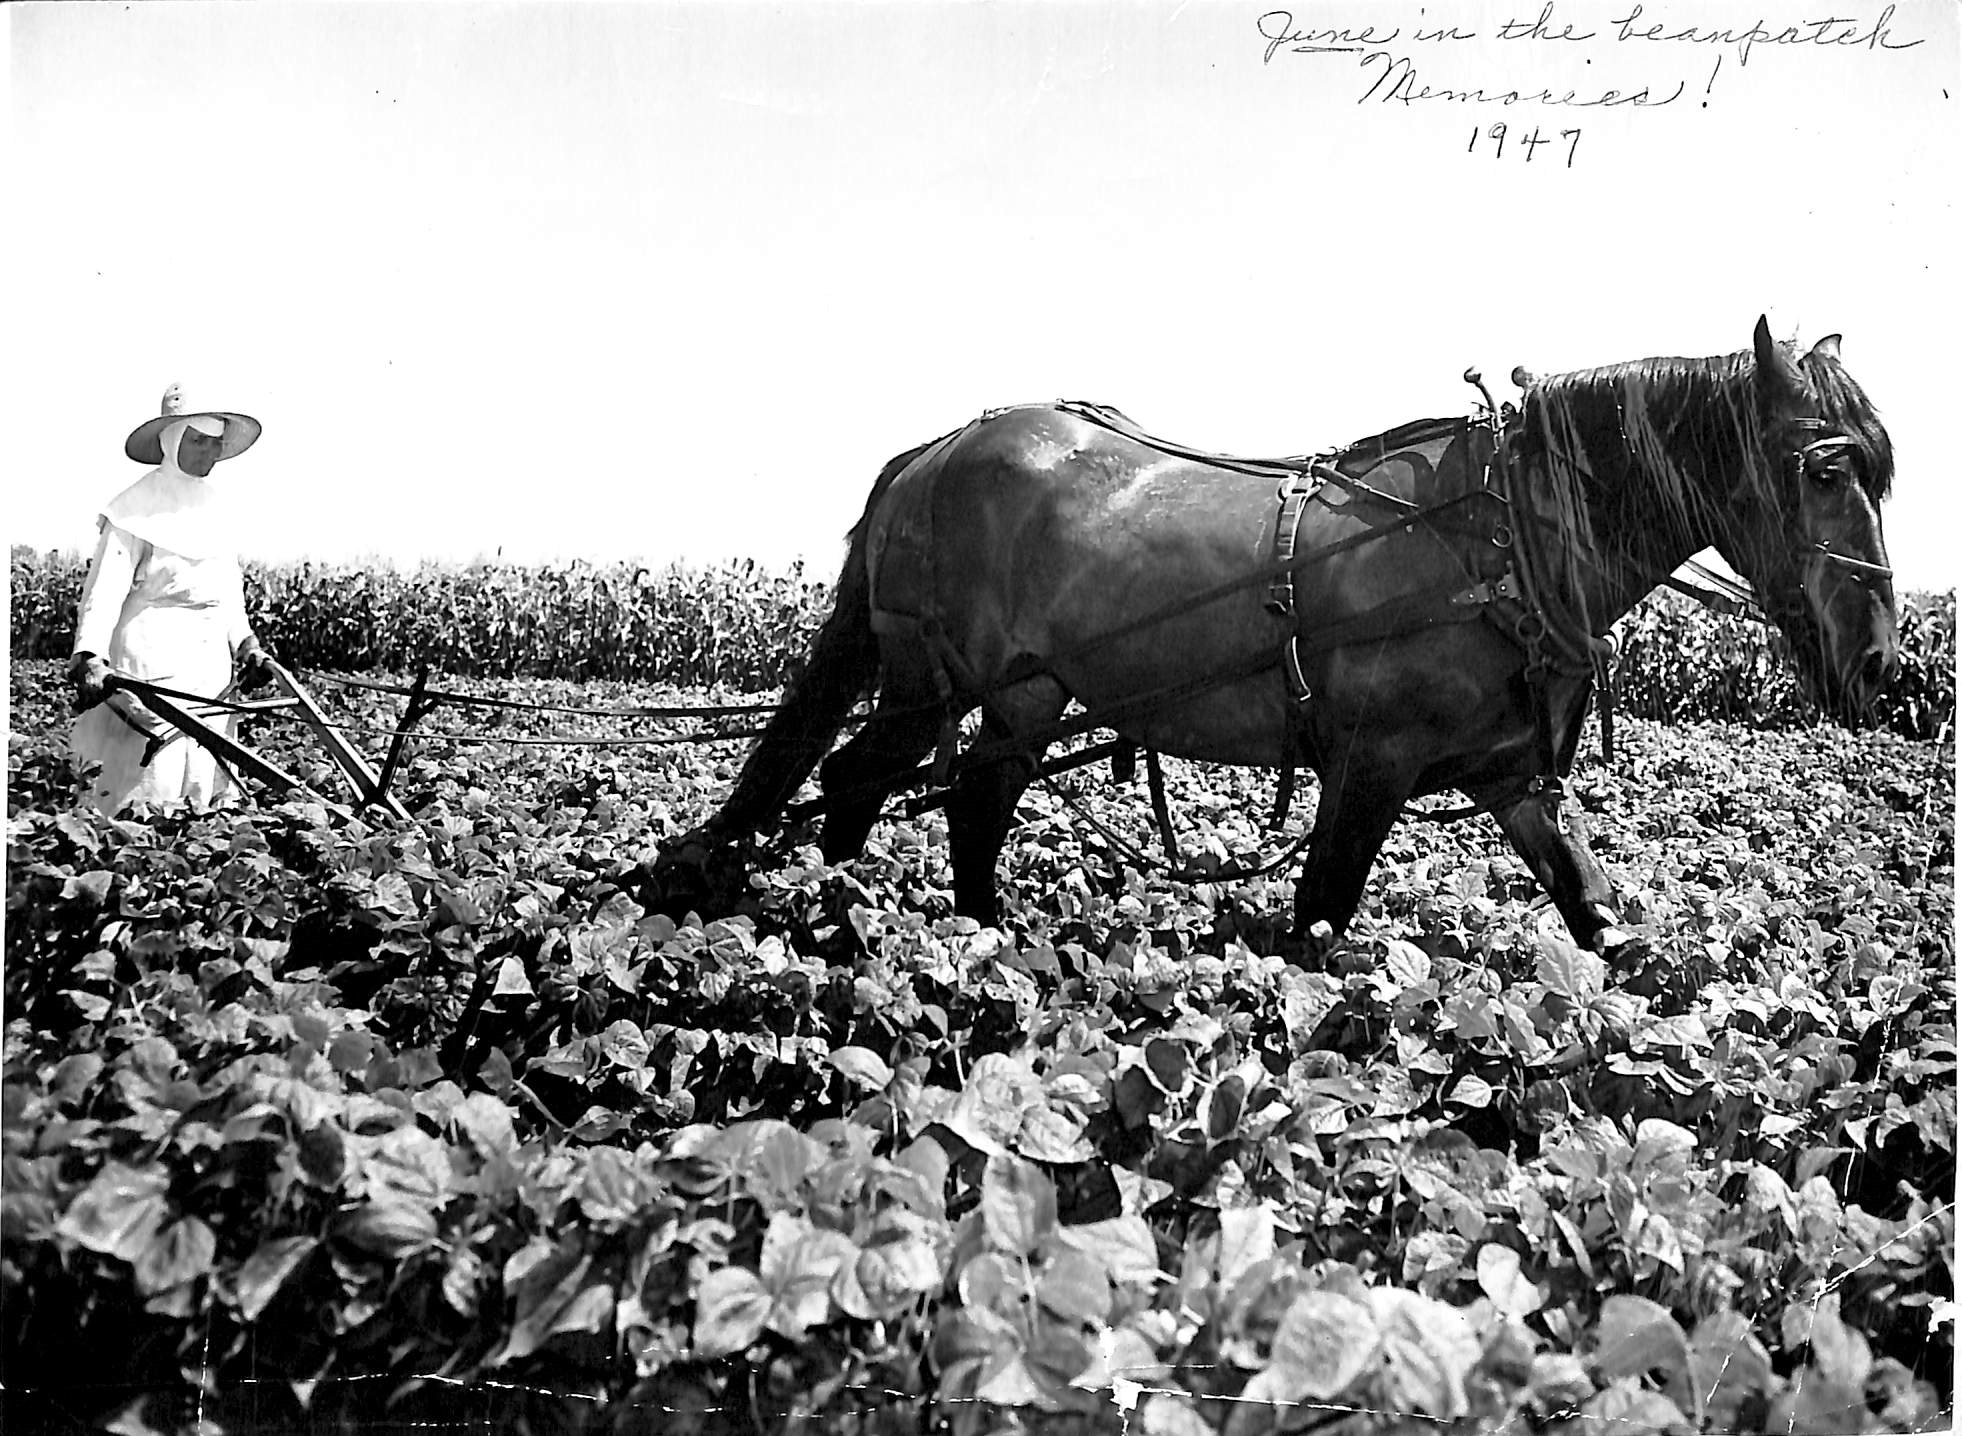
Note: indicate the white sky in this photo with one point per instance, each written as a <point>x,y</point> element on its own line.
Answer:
<point>673,281</point>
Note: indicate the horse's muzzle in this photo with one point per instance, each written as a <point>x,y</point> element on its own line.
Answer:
<point>1852,700</point>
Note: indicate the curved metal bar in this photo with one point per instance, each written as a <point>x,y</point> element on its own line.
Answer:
<point>205,706</point>
<point>227,749</point>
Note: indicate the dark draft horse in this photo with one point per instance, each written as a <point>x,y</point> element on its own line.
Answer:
<point>1445,624</point>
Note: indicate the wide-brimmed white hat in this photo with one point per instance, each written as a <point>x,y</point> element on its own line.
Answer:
<point>145,442</point>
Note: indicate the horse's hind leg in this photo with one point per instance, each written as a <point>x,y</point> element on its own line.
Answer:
<point>982,807</point>
<point>1361,796</point>
<point>1551,835</point>
<point>900,732</point>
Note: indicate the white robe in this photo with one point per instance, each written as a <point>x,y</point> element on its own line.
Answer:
<point>177,620</point>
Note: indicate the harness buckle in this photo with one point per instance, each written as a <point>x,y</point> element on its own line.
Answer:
<point>1294,493</point>
<point>1506,585</point>
<point>1548,787</point>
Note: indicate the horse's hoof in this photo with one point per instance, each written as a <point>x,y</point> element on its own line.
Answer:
<point>1622,951</point>
<point>690,850</point>
<point>694,839</point>
<point>695,872</point>
<point>1309,950</point>
<point>681,859</point>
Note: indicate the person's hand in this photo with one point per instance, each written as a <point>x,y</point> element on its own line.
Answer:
<point>255,665</point>
<point>90,675</point>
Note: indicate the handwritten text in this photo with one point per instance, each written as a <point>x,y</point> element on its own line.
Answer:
<point>1397,83</point>
<point>1387,52</point>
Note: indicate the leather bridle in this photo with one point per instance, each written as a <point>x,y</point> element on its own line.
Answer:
<point>1801,462</point>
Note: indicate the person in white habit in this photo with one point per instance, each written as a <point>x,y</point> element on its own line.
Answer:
<point>165,601</point>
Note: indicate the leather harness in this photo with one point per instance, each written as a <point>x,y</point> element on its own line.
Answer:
<point>1523,600</point>
<point>1507,597</point>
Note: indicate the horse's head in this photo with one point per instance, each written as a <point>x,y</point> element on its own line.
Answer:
<point>1804,523</point>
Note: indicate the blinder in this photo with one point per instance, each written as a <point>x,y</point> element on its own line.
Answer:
<point>1803,461</point>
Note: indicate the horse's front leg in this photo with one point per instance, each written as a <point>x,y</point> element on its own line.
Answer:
<point>1550,833</point>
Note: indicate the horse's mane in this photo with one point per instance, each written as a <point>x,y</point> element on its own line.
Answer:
<point>1675,422</point>
<point>1689,428</point>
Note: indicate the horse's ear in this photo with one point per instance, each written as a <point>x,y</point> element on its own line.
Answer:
<point>1775,368</point>
<point>1827,348</point>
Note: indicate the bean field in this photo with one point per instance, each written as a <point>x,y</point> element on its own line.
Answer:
<point>330,1123</point>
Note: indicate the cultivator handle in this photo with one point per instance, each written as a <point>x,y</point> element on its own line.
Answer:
<point>164,703</point>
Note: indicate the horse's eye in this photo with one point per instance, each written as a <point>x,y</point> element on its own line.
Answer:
<point>1840,466</point>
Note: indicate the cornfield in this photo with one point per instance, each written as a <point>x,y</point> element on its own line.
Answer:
<point>734,625</point>
<point>1678,662</point>
<point>742,627</point>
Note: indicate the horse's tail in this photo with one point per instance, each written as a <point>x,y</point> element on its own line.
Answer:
<point>843,666</point>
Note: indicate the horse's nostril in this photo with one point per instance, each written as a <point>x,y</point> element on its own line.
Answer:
<point>1877,669</point>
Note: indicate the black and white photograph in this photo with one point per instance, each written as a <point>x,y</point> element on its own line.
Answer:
<point>979,717</point>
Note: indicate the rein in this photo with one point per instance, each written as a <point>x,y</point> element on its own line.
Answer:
<point>475,700</point>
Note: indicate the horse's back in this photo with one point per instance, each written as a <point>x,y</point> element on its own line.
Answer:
<point>1037,532</point>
